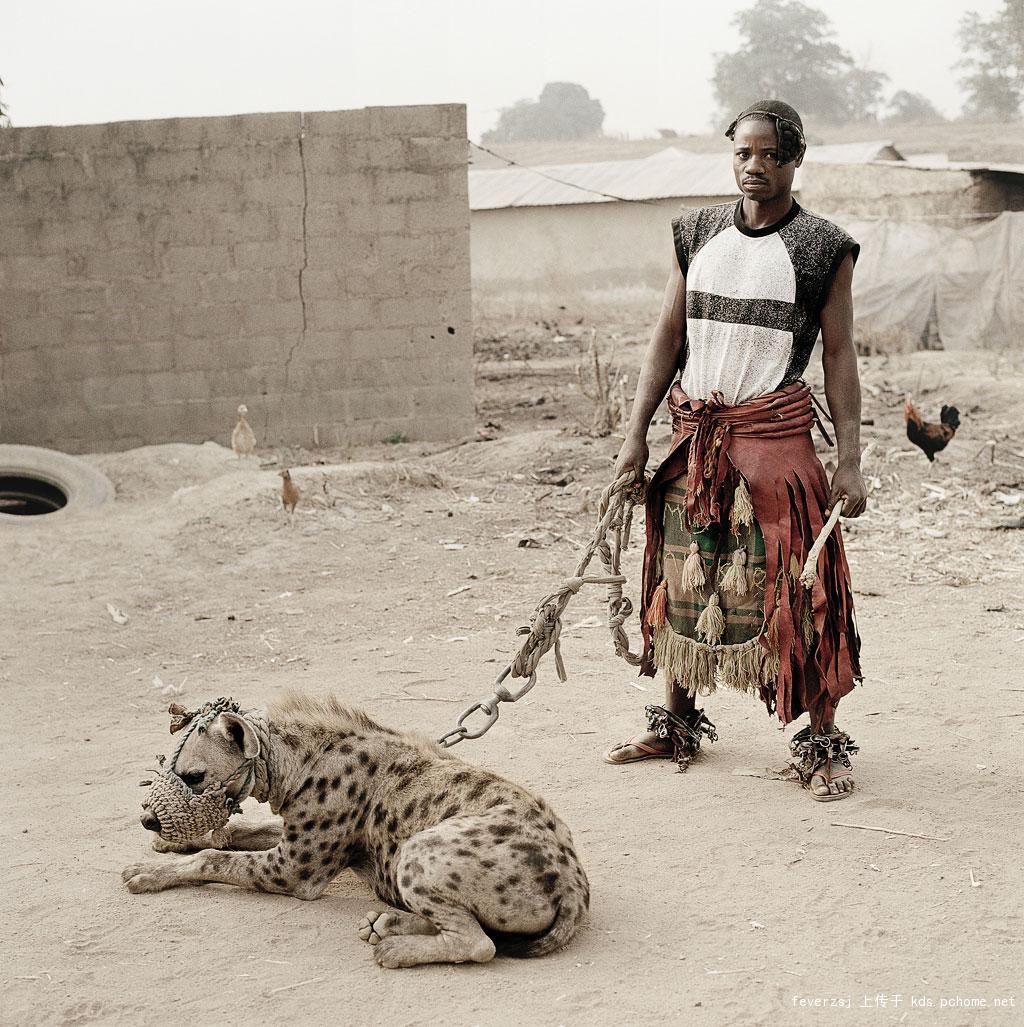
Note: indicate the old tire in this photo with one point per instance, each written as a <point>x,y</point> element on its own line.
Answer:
<point>84,486</point>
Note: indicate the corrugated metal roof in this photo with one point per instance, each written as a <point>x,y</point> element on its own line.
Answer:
<point>931,157</point>
<point>934,162</point>
<point>853,153</point>
<point>668,174</point>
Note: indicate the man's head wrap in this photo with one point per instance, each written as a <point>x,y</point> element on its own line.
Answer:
<point>788,125</point>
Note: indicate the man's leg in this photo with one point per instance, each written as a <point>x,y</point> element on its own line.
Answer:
<point>639,747</point>
<point>682,606</point>
<point>823,715</point>
<point>832,777</point>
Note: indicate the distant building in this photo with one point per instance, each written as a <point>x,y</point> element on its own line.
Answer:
<point>594,238</point>
<point>921,186</point>
<point>599,232</point>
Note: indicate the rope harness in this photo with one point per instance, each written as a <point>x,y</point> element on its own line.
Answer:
<point>185,815</point>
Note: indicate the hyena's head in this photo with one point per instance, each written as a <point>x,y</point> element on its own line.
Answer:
<point>214,755</point>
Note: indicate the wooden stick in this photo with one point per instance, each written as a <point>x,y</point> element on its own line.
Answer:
<point>889,830</point>
<point>289,987</point>
<point>810,571</point>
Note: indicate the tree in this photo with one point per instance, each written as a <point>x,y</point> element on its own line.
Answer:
<point>5,121</point>
<point>788,53</point>
<point>994,62</point>
<point>906,106</point>
<point>564,110</point>
<point>864,93</point>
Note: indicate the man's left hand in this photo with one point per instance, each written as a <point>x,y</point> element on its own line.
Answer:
<point>848,484</point>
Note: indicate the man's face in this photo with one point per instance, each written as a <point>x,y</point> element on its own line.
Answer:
<point>754,153</point>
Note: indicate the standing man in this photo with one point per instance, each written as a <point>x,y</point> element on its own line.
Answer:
<point>737,503</point>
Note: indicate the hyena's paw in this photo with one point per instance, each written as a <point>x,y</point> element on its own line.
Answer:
<point>368,927</point>
<point>149,877</point>
<point>394,953</point>
<point>374,927</point>
<point>162,845</point>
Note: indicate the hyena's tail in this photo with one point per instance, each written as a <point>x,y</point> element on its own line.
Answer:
<point>572,908</point>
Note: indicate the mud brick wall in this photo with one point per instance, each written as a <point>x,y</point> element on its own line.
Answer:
<point>894,190</point>
<point>156,274</point>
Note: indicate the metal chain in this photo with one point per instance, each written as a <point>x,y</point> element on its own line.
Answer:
<point>615,519</point>
<point>811,750</point>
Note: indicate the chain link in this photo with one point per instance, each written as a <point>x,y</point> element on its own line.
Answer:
<point>489,707</point>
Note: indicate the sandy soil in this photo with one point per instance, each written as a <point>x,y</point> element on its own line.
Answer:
<point>720,896</point>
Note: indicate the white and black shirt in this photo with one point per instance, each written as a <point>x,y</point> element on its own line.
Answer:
<point>753,297</point>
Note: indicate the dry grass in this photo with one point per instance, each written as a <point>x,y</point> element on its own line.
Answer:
<point>605,386</point>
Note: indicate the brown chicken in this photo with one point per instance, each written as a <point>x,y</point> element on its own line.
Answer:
<point>290,493</point>
<point>928,437</point>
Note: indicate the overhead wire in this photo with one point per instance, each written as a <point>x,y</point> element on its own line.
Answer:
<point>560,181</point>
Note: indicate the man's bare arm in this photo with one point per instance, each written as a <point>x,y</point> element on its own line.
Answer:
<point>842,390</point>
<point>659,367</point>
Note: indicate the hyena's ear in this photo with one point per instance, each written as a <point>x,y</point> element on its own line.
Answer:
<point>239,732</point>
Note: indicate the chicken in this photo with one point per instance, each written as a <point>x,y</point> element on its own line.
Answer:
<point>243,439</point>
<point>928,437</point>
<point>290,493</point>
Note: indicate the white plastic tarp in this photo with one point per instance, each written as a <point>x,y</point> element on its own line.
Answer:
<point>973,279</point>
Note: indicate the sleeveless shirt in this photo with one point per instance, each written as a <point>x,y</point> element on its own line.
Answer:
<point>754,297</point>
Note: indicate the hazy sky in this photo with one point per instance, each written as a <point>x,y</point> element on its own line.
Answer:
<point>648,61</point>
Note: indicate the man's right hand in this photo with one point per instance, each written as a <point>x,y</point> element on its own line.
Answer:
<point>632,457</point>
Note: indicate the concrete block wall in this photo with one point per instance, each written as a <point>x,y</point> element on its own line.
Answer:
<point>156,274</point>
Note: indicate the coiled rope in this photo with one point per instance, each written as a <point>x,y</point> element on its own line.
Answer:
<point>610,539</point>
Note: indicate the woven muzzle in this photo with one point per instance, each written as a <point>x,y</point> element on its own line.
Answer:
<point>183,815</point>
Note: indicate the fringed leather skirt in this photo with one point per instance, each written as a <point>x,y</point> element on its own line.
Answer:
<point>731,514</point>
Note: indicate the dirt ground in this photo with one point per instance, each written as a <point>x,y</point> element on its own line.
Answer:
<point>720,897</point>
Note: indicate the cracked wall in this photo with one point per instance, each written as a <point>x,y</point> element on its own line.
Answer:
<point>155,274</point>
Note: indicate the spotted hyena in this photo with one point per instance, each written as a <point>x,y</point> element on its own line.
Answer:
<point>465,856</point>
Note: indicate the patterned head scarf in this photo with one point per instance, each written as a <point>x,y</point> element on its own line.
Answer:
<point>788,125</point>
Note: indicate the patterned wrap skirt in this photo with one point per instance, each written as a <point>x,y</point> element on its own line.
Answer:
<point>731,514</point>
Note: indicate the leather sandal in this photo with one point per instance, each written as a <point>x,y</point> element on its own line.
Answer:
<point>647,752</point>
